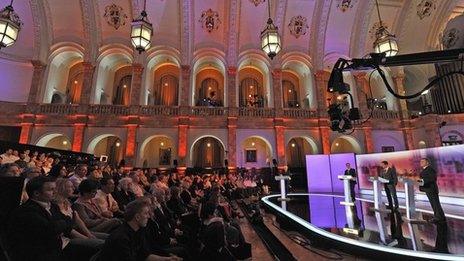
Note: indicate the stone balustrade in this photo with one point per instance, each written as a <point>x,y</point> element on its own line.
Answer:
<point>385,115</point>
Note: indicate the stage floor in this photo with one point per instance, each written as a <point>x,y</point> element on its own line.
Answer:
<point>361,226</point>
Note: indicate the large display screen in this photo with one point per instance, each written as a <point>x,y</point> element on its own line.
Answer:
<point>447,161</point>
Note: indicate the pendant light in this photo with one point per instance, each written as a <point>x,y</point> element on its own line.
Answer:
<point>270,38</point>
<point>141,31</point>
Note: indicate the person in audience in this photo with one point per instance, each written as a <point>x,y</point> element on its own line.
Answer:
<point>58,171</point>
<point>124,195</point>
<point>79,175</point>
<point>27,158</point>
<point>105,200</point>
<point>28,174</point>
<point>47,165</point>
<point>8,157</point>
<point>136,188</point>
<point>10,170</point>
<point>95,174</point>
<point>175,203</point>
<point>21,161</point>
<point>89,211</point>
<point>37,227</point>
<point>128,242</point>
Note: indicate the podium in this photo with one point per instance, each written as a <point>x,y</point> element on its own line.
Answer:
<point>347,189</point>
<point>379,207</point>
<point>412,217</point>
<point>283,190</point>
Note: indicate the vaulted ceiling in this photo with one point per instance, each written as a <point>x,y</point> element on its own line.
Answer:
<point>328,30</point>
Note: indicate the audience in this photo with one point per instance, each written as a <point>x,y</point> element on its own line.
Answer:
<point>120,214</point>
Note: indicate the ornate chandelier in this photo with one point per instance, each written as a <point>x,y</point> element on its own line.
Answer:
<point>385,42</point>
<point>270,38</point>
<point>10,25</point>
<point>142,31</point>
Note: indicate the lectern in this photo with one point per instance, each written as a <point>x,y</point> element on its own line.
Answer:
<point>412,217</point>
<point>379,207</point>
<point>347,189</point>
<point>283,190</point>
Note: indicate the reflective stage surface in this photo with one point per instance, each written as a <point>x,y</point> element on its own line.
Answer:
<point>360,225</point>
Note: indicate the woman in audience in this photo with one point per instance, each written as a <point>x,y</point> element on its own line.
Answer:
<point>136,188</point>
<point>123,195</point>
<point>89,211</point>
<point>175,203</point>
<point>58,171</point>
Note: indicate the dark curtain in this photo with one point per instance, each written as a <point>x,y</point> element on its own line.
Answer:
<point>290,94</point>
<point>122,95</point>
<point>166,91</point>
<point>208,87</point>
<point>74,89</point>
<point>296,154</point>
<point>208,157</point>
<point>251,93</point>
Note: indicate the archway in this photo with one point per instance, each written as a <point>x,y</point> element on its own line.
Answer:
<point>297,149</point>
<point>157,152</point>
<point>122,92</point>
<point>165,89</point>
<point>207,152</point>
<point>251,89</point>
<point>107,145</point>
<point>55,141</point>
<point>57,98</point>
<point>345,144</point>
<point>209,90</point>
<point>256,152</point>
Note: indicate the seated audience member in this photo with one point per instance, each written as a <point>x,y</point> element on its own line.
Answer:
<point>136,187</point>
<point>21,161</point>
<point>26,156</point>
<point>128,242</point>
<point>105,200</point>
<point>47,165</point>
<point>10,170</point>
<point>28,174</point>
<point>36,228</point>
<point>123,195</point>
<point>175,203</point>
<point>89,211</point>
<point>8,157</point>
<point>58,171</point>
<point>79,175</point>
<point>95,174</point>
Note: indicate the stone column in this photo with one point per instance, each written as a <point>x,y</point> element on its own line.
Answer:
<point>182,142</point>
<point>231,87</point>
<point>368,141</point>
<point>87,83</point>
<point>277,91</point>
<point>136,83</point>
<point>325,139</point>
<point>280,142</point>
<point>185,85</point>
<point>38,78</point>
<point>131,144</point>
<point>78,137</point>
<point>322,79</point>
<point>398,80</point>
<point>433,136</point>
<point>362,92</point>
<point>408,138</point>
<point>26,130</point>
<point>231,142</point>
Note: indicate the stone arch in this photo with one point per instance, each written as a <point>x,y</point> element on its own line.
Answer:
<point>55,141</point>
<point>221,155</point>
<point>251,60</point>
<point>156,143</point>
<point>307,88</point>
<point>345,144</point>
<point>109,145</point>
<point>263,152</point>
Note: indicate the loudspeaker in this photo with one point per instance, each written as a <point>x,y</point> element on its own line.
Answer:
<point>274,162</point>
<point>226,162</point>
<point>175,162</point>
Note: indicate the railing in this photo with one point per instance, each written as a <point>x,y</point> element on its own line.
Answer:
<point>299,113</point>
<point>257,112</point>
<point>150,110</point>
<point>385,115</point>
<point>209,111</point>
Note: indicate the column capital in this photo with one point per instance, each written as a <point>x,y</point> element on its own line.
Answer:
<point>276,73</point>
<point>137,67</point>
<point>232,70</point>
<point>322,75</point>
<point>185,68</point>
<point>37,64</point>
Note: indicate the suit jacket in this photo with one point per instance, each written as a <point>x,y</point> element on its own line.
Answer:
<point>429,175</point>
<point>35,234</point>
<point>390,174</point>
<point>351,172</point>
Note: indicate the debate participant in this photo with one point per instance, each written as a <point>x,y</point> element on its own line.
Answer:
<point>389,174</point>
<point>429,185</point>
<point>351,172</point>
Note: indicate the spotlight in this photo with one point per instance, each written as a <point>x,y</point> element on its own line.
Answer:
<point>293,145</point>
<point>252,144</point>
<point>75,82</point>
<point>118,144</point>
<point>208,144</point>
<point>337,144</point>
<point>449,111</point>
<point>65,142</point>
<point>162,144</point>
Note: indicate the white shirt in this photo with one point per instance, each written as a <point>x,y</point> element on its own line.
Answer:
<point>9,159</point>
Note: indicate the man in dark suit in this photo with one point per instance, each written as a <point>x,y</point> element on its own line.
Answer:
<point>36,228</point>
<point>351,172</point>
<point>429,178</point>
<point>389,174</point>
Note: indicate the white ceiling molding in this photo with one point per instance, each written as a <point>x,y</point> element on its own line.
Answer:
<point>186,29</point>
<point>92,29</point>
<point>43,29</point>
<point>318,29</point>
<point>360,28</point>
<point>232,41</point>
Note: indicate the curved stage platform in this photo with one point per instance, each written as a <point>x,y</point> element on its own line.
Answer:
<point>364,232</point>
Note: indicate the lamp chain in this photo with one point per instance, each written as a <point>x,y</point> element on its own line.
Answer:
<point>378,11</point>
<point>269,8</point>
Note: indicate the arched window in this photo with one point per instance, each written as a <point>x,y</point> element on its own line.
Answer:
<point>165,92</point>
<point>57,98</point>
<point>73,92</point>
<point>290,94</point>
<point>122,94</point>
<point>251,93</point>
<point>209,93</point>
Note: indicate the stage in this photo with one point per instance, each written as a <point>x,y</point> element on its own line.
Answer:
<point>361,231</point>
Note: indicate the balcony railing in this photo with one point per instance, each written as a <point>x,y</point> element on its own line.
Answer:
<point>108,110</point>
<point>208,111</point>
<point>385,115</point>
<point>256,112</point>
<point>55,109</point>
<point>299,113</point>
<point>158,110</point>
